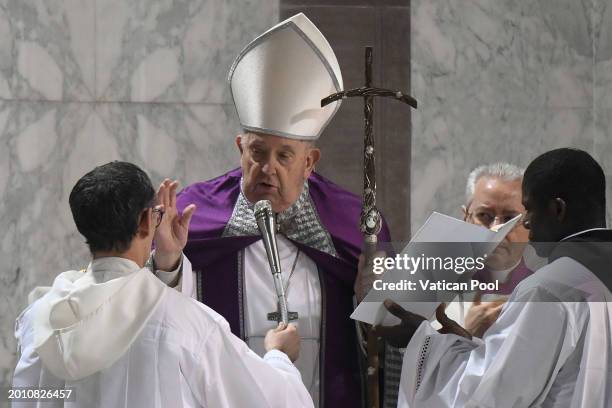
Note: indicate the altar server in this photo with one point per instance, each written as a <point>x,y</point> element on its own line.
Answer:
<point>119,337</point>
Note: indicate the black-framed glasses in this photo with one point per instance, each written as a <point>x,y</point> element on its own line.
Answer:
<point>159,213</point>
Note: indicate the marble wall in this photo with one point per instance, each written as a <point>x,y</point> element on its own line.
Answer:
<point>505,81</point>
<point>83,82</point>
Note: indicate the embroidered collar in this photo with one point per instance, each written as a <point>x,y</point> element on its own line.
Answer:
<point>300,222</point>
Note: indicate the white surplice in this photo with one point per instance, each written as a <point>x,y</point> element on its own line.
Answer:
<point>550,347</point>
<point>303,296</point>
<point>121,338</point>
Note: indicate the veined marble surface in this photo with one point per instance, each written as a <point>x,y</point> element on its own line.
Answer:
<point>84,82</point>
<point>602,17</point>
<point>47,146</point>
<point>173,51</point>
<point>504,81</point>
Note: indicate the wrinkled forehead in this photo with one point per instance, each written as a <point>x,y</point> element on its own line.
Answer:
<point>274,142</point>
<point>498,194</point>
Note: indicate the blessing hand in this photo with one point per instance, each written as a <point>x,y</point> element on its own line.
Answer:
<point>171,235</point>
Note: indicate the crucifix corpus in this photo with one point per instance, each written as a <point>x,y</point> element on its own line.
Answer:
<point>370,223</point>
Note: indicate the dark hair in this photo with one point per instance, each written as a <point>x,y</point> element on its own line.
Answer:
<point>106,204</point>
<point>570,174</point>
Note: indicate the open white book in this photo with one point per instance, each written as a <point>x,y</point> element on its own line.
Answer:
<point>463,239</point>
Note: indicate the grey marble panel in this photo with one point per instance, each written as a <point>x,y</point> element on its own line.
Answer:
<point>557,55</point>
<point>39,239</point>
<point>7,55</point>
<point>47,50</point>
<point>508,53</point>
<point>449,141</point>
<point>467,51</point>
<point>190,142</point>
<point>181,51</point>
<point>59,56</point>
<point>602,17</point>
<point>45,147</point>
<point>496,81</point>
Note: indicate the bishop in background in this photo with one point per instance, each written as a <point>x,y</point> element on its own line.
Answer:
<point>277,83</point>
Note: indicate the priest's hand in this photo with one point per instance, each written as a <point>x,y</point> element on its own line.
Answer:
<point>450,326</point>
<point>399,335</point>
<point>482,315</point>
<point>284,338</point>
<point>366,276</point>
<point>171,234</point>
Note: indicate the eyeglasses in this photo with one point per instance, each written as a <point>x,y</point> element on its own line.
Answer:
<point>487,219</point>
<point>158,214</point>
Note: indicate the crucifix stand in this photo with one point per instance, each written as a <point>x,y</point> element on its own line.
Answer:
<point>370,224</point>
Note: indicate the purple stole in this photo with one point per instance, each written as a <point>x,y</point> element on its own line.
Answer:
<point>217,262</point>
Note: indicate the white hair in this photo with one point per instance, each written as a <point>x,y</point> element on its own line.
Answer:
<point>503,171</point>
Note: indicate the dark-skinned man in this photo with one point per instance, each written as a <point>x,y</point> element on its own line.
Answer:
<point>551,344</point>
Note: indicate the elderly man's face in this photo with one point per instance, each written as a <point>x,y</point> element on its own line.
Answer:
<point>274,168</point>
<point>495,202</point>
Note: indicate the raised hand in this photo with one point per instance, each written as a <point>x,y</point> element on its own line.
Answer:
<point>171,235</point>
<point>450,326</point>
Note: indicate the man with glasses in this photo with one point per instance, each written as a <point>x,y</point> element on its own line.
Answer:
<point>116,336</point>
<point>493,197</point>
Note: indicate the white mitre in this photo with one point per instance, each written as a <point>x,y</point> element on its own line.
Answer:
<point>278,80</point>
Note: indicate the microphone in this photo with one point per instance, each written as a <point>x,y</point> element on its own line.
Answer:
<point>266,221</point>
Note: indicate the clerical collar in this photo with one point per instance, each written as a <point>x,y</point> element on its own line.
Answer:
<point>582,232</point>
<point>112,267</point>
<point>294,209</point>
<point>114,262</point>
<point>300,222</point>
<point>591,248</point>
<point>503,275</point>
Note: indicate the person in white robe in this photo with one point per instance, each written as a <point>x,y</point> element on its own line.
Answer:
<point>117,336</point>
<point>492,198</point>
<point>552,343</point>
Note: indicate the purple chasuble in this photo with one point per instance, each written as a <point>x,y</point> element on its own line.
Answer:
<point>217,263</point>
